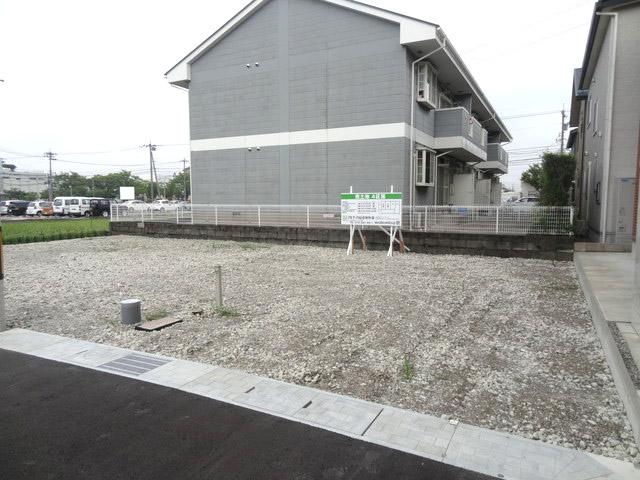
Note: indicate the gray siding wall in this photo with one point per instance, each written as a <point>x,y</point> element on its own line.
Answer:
<point>625,121</point>
<point>318,172</point>
<point>320,66</point>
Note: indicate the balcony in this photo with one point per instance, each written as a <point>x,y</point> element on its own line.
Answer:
<point>497,159</point>
<point>457,132</point>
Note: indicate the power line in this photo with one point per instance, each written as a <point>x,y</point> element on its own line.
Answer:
<point>524,115</point>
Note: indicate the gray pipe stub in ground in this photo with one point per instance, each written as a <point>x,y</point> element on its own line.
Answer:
<point>130,311</point>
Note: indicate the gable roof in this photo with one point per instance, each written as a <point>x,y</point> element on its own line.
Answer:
<point>414,33</point>
<point>411,29</point>
<point>597,32</point>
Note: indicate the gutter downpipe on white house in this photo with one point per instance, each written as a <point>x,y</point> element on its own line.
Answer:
<point>412,133</point>
<point>607,141</point>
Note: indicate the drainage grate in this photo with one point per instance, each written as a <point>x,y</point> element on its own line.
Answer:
<point>134,364</point>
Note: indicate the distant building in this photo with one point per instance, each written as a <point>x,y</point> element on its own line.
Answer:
<point>528,190</point>
<point>13,179</point>
<point>294,101</point>
<point>605,117</point>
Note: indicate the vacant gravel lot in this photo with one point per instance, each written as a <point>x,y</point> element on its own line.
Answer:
<point>502,343</point>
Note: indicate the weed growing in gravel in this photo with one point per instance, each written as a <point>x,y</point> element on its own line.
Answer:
<point>254,246</point>
<point>407,368</point>
<point>155,315</point>
<point>226,311</point>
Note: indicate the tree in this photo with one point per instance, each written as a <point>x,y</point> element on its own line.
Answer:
<point>15,194</point>
<point>557,178</point>
<point>108,186</point>
<point>178,187</point>
<point>533,176</point>
<point>69,184</point>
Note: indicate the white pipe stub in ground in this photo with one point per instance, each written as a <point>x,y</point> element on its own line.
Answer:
<point>130,311</point>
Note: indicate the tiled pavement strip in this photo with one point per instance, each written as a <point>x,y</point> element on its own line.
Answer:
<point>486,451</point>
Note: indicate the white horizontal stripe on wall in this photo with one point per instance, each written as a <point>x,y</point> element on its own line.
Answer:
<point>344,134</point>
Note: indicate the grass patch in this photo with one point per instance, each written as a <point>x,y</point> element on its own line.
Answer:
<point>29,231</point>
<point>407,368</point>
<point>225,311</point>
<point>156,314</point>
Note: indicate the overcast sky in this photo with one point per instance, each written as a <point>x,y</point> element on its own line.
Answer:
<point>84,76</point>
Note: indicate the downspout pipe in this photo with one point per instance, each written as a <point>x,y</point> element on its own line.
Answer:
<point>411,132</point>
<point>608,134</point>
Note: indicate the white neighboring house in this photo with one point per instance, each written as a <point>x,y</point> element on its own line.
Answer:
<point>26,181</point>
<point>528,190</point>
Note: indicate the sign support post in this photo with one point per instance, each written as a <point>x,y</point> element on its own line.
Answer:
<point>380,210</point>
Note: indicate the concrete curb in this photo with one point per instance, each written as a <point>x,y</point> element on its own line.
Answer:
<point>621,376</point>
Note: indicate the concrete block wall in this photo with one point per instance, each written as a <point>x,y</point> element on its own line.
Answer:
<point>521,246</point>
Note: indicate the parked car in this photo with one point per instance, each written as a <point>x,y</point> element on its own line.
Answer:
<point>530,201</point>
<point>162,206</point>
<point>101,207</point>
<point>4,206</point>
<point>134,205</point>
<point>61,205</point>
<point>18,207</point>
<point>79,206</point>
<point>39,208</point>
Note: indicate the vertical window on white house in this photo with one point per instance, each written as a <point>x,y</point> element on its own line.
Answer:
<point>425,167</point>
<point>595,117</point>
<point>589,112</point>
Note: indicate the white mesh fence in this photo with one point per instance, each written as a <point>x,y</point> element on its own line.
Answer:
<point>496,219</point>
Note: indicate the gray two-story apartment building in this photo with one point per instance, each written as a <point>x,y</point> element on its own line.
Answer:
<point>605,116</point>
<point>294,101</point>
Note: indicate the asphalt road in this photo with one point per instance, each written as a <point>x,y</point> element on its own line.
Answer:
<point>63,421</point>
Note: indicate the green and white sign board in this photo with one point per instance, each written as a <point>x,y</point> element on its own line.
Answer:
<point>384,209</point>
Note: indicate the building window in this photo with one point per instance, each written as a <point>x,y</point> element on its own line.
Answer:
<point>595,117</point>
<point>425,167</point>
<point>445,101</point>
<point>427,84</point>
<point>589,113</point>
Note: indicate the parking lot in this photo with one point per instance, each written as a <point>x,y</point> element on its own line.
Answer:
<point>501,343</point>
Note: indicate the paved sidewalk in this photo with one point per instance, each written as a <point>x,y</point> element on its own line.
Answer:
<point>611,279</point>
<point>492,453</point>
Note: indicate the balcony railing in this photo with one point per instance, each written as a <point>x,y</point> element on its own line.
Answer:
<point>456,128</point>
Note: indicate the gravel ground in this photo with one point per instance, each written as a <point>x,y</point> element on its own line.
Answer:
<point>501,343</point>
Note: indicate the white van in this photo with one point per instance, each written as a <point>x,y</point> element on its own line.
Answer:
<point>62,205</point>
<point>80,206</point>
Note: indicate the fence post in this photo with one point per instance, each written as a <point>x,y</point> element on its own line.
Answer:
<point>178,215</point>
<point>259,216</point>
<point>307,216</point>
<point>117,213</point>
<point>571,216</point>
<point>497,219</point>
<point>142,212</point>
<point>216,215</point>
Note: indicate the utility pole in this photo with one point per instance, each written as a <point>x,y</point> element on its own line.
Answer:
<point>152,168</point>
<point>50,179</point>
<point>184,179</point>
<point>564,126</point>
